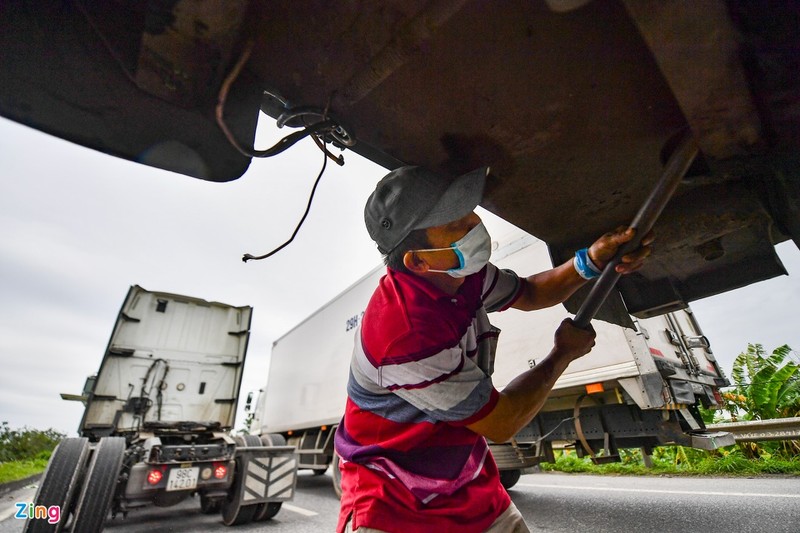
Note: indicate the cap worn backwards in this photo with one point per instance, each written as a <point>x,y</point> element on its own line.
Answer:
<point>410,198</point>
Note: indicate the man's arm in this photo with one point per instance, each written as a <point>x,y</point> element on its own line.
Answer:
<point>521,399</point>
<point>553,286</point>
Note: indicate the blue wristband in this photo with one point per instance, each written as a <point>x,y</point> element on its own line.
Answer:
<point>584,266</point>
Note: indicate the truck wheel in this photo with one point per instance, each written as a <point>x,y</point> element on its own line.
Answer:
<point>99,485</point>
<point>273,439</point>
<point>336,474</point>
<point>233,512</point>
<point>265,511</point>
<point>60,482</point>
<point>247,440</point>
<point>509,478</point>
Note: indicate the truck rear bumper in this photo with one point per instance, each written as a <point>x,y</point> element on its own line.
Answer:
<point>146,480</point>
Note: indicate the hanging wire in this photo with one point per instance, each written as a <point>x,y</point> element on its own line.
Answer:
<point>540,439</point>
<point>323,127</point>
<point>320,132</point>
<point>247,257</point>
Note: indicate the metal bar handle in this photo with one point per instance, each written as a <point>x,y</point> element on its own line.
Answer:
<point>677,165</point>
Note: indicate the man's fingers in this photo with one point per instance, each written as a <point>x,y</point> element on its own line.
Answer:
<point>622,234</point>
<point>633,261</point>
<point>604,249</point>
<point>648,239</point>
<point>637,255</point>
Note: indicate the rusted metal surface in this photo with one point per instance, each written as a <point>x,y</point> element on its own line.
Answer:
<point>696,49</point>
<point>186,46</point>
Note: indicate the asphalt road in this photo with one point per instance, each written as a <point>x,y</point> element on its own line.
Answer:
<point>549,502</point>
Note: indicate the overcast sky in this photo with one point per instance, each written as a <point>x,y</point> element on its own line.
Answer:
<point>79,227</point>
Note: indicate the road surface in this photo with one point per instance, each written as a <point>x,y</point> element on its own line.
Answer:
<point>549,502</point>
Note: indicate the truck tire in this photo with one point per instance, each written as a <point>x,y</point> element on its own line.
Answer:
<point>273,439</point>
<point>509,478</point>
<point>233,512</point>
<point>336,474</point>
<point>247,440</point>
<point>99,485</point>
<point>265,511</point>
<point>60,482</point>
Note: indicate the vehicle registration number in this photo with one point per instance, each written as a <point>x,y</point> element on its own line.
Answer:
<point>183,478</point>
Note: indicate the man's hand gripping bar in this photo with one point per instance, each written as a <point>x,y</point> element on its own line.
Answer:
<point>677,165</point>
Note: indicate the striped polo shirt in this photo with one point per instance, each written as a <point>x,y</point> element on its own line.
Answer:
<point>420,373</point>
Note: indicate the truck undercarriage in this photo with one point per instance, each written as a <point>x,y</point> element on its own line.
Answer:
<point>576,102</point>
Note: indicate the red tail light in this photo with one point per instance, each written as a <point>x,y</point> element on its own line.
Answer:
<point>154,476</point>
<point>220,471</point>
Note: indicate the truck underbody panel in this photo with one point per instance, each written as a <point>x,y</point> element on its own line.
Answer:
<point>575,105</point>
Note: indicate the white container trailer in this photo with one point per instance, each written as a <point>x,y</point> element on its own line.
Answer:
<point>639,387</point>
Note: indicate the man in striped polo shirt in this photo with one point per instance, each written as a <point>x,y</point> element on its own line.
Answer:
<point>421,402</point>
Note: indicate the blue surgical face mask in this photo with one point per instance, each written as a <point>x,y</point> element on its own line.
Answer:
<point>473,251</point>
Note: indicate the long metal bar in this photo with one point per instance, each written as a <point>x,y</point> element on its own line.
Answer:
<point>677,165</point>
<point>758,430</point>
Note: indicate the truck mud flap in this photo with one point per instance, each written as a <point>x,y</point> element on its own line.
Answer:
<point>270,473</point>
<point>265,477</point>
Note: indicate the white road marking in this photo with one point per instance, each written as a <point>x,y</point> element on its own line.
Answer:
<point>298,510</point>
<point>656,491</point>
<point>26,494</point>
<point>8,513</point>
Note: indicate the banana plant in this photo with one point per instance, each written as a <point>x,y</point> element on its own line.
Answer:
<point>766,386</point>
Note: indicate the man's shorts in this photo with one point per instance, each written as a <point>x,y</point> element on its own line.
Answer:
<point>510,521</point>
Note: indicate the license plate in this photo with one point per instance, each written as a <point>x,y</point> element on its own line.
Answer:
<point>182,478</point>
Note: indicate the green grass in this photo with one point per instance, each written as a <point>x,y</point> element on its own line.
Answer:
<point>673,461</point>
<point>679,462</point>
<point>16,470</point>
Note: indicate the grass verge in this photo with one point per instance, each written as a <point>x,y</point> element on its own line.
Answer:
<point>696,463</point>
<point>16,470</point>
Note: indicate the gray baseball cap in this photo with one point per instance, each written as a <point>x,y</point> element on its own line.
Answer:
<point>410,198</point>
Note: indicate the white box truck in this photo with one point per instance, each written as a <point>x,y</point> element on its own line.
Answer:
<point>639,387</point>
<point>156,425</point>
